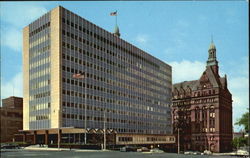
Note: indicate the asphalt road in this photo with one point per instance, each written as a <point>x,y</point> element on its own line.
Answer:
<point>100,154</point>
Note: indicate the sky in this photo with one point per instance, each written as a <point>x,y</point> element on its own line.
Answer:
<point>176,32</point>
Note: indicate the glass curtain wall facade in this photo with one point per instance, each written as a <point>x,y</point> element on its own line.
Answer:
<point>39,73</point>
<point>124,86</point>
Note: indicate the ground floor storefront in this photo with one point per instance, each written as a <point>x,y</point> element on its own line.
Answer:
<point>98,138</point>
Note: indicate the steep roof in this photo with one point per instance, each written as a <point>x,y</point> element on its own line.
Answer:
<point>186,85</point>
<point>214,79</point>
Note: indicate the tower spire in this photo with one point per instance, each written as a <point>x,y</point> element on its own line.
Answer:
<point>212,61</point>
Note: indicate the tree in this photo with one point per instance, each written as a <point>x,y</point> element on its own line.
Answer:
<point>244,121</point>
<point>239,142</point>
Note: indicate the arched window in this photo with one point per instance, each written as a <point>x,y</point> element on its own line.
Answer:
<point>211,118</point>
<point>204,119</point>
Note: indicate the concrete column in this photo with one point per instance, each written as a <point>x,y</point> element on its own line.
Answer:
<point>69,138</point>
<point>24,137</point>
<point>79,139</point>
<point>46,137</point>
<point>60,137</point>
<point>34,137</point>
<point>74,138</point>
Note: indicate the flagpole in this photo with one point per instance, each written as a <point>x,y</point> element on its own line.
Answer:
<point>116,18</point>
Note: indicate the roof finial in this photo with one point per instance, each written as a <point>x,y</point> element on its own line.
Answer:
<point>212,40</point>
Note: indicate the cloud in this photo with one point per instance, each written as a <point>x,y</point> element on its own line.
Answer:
<point>21,14</point>
<point>142,39</point>
<point>186,70</point>
<point>15,85</point>
<point>12,38</point>
<point>14,17</point>
<point>239,87</point>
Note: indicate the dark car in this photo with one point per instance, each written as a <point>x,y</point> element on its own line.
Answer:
<point>128,148</point>
<point>9,146</point>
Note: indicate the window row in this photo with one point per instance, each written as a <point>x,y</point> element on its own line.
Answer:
<point>40,84</point>
<point>40,95</point>
<point>40,73</point>
<point>39,117</point>
<point>104,40</point>
<point>114,120</point>
<point>161,82</point>
<point>40,51</point>
<point>39,40</point>
<point>143,86</point>
<point>120,112</point>
<point>40,62</point>
<point>39,29</point>
<point>39,106</point>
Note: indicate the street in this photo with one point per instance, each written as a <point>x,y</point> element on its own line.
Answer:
<point>97,154</point>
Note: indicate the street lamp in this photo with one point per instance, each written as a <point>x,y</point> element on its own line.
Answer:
<point>58,135</point>
<point>104,130</point>
<point>178,140</point>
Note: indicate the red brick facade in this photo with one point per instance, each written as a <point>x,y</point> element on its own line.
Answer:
<point>202,110</point>
<point>11,118</point>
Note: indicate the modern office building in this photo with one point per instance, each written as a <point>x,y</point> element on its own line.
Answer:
<point>11,118</point>
<point>202,110</point>
<point>119,87</point>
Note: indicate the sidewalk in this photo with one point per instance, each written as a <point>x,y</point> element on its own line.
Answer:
<point>45,148</point>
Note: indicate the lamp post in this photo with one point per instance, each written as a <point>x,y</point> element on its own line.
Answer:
<point>178,140</point>
<point>85,113</point>
<point>104,130</point>
<point>58,136</point>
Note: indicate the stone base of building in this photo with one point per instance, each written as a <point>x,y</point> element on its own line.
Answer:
<point>77,136</point>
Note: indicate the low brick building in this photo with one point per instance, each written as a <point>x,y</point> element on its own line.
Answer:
<point>11,118</point>
<point>202,110</point>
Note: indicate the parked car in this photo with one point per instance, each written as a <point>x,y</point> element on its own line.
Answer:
<point>143,149</point>
<point>242,152</point>
<point>128,148</point>
<point>197,153</point>
<point>188,152</point>
<point>156,150</point>
<point>207,152</point>
<point>9,146</point>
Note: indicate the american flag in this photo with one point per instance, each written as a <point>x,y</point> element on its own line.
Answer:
<point>78,75</point>
<point>113,13</point>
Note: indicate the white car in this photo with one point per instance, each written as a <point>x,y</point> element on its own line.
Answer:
<point>242,152</point>
<point>156,150</point>
<point>207,152</point>
<point>188,152</point>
